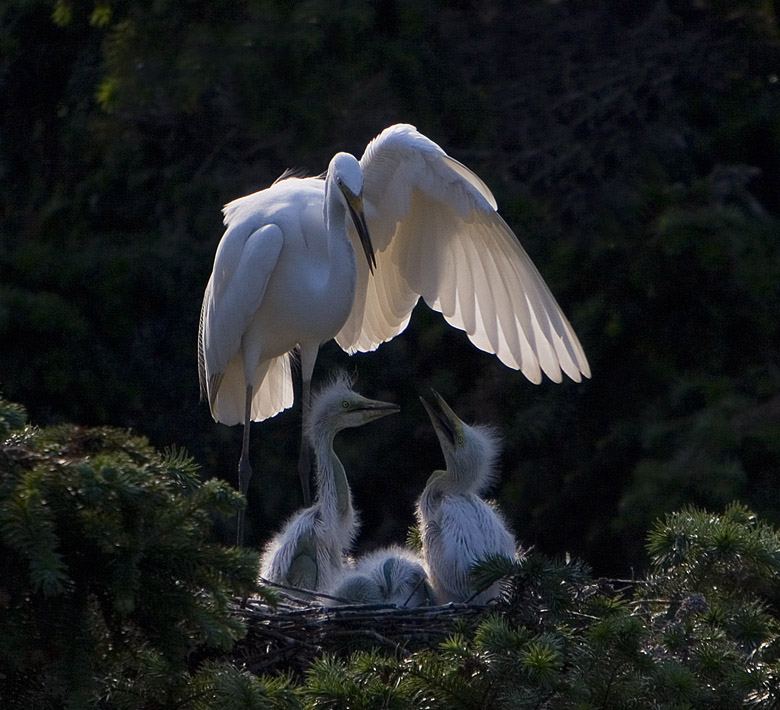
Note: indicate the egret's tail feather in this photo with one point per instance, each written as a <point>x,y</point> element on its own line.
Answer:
<point>273,389</point>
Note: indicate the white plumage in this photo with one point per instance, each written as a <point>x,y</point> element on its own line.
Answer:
<point>390,575</point>
<point>437,234</point>
<point>458,528</point>
<point>285,275</point>
<point>310,549</point>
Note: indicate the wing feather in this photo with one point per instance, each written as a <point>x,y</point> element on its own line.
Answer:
<point>437,234</point>
<point>245,258</point>
<point>485,334</point>
<point>513,310</point>
<point>533,314</point>
<point>511,344</point>
<point>557,331</point>
<point>467,267</point>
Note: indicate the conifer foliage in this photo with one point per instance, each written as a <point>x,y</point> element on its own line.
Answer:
<point>112,595</point>
<point>107,578</point>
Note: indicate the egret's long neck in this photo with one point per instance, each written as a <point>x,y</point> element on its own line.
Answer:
<point>333,210</point>
<point>440,483</point>
<point>458,478</point>
<point>342,275</point>
<point>333,494</point>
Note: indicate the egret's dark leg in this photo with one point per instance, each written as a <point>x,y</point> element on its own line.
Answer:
<point>244,468</point>
<point>308,358</point>
<point>304,461</point>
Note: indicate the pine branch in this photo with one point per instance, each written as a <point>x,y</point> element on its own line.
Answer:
<point>12,418</point>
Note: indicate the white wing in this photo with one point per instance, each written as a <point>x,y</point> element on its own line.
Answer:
<point>243,263</point>
<point>437,234</point>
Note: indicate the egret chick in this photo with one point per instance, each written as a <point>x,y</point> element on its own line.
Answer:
<point>390,575</point>
<point>458,528</point>
<point>310,549</point>
<point>286,275</point>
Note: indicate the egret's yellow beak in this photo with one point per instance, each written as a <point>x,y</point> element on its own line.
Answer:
<point>355,204</point>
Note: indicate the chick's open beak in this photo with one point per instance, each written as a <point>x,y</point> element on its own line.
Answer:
<point>442,417</point>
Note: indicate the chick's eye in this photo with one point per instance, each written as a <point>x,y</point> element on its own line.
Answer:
<point>460,440</point>
<point>345,404</point>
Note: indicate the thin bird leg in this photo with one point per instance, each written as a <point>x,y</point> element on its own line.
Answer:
<point>304,461</point>
<point>308,360</point>
<point>244,468</point>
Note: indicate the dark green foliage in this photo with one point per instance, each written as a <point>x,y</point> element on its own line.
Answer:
<point>12,416</point>
<point>221,686</point>
<point>108,574</point>
<point>734,553</point>
<point>634,150</point>
<point>633,146</point>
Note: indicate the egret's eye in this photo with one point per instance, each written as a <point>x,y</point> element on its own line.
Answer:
<point>460,439</point>
<point>345,404</point>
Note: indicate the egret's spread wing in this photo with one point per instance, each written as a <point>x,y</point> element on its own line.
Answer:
<point>437,234</point>
<point>245,258</point>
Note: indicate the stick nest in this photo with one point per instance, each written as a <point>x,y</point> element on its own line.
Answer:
<point>289,635</point>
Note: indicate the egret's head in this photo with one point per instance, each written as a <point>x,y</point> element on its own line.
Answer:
<point>470,452</point>
<point>345,174</point>
<point>336,406</point>
<point>390,575</point>
<point>402,581</point>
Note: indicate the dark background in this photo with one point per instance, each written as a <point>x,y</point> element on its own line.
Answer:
<point>633,146</point>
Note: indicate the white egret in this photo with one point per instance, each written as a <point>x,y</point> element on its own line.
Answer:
<point>458,528</point>
<point>390,575</point>
<point>285,275</point>
<point>310,548</point>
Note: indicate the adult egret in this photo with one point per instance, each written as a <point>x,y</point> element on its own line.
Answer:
<point>310,548</point>
<point>390,575</point>
<point>457,526</point>
<point>285,275</point>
